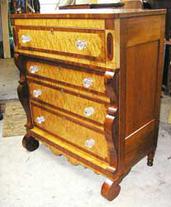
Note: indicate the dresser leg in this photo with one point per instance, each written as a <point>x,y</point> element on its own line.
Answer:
<point>110,189</point>
<point>30,143</point>
<point>150,158</point>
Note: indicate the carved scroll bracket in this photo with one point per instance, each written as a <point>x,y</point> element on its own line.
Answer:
<point>111,121</point>
<point>23,91</point>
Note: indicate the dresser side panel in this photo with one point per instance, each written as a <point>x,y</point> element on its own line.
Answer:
<point>143,71</point>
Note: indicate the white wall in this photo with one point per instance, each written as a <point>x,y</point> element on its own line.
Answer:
<point>48,6</point>
<point>51,5</point>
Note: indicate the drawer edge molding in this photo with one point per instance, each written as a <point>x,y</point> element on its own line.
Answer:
<point>61,113</point>
<point>62,59</point>
<point>84,158</point>
<point>66,89</point>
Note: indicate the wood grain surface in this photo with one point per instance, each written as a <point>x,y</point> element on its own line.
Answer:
<point>69,102</point>
<point>64,42</point>
<point>67,23</point>
<point>69,75</point>
<point>71,132</point>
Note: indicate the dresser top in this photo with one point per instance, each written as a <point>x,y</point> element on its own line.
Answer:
<point>90,14</point>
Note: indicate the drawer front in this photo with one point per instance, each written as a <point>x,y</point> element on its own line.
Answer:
<point>86,80</point>
<point>86,44</point>
<point>69,101</point>
<point>64,128</point>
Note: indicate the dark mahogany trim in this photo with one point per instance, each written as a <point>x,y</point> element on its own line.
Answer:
<point>69,66</point>
<point>23,91</point>
<point>105,172</point>
<point>63,139</point>
<point>32,80</point>
<point>110,46</point>
<point>68,112</point>
<point>61,53</point>
<point>62,29</point>
<point>66,84</point>
<point>69,62</point>
<point>68,117</point>
<point>14,36</point>
<point>109,24</point>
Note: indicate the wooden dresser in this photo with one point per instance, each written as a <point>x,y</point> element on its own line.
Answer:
<point>90,84</point>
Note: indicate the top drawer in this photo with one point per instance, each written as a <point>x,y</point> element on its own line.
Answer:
<point>81,43</point>
<point>78,41</point>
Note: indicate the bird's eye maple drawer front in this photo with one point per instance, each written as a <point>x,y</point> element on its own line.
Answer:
<point>70,131</point>
<point>69,101</point>
<point>81,43</point>
<point>91,81</point>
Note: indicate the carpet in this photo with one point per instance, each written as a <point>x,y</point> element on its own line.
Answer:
<point>14,119</point>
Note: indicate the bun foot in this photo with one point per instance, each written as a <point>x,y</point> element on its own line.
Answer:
<point>30,143</point>
<point>150,163</point>
<point>110,190</point>
<point>150,158</point>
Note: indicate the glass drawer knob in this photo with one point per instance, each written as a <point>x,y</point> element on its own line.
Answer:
<point>90,143</point>
<point>88,111</point>
<point>25,39</point>
<point>37,93</point>
<point>81,44</point>
<point>87,82</point>
<point>33,69</point>
<point>40,119</point>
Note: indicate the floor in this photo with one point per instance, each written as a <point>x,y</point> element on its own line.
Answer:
<point>8,79</point>
<point>41,179</point>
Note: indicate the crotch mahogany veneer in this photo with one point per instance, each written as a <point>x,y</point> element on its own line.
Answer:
<point>90,85</point>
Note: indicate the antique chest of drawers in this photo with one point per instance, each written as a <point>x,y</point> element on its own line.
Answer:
<point>90,85</point>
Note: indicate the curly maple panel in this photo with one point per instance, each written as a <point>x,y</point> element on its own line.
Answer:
<point>70,102</point>
<point>67,75</point>
<point>64,42</point>
<point>71,132</point>
<point>77,23</point>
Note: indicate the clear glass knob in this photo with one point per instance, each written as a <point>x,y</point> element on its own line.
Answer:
<point>33,69</point>
<point>25,39</point>
<point>37,93</point>
<point>81,44</point>
<point>88,111</point>
<point>40,119</point>
<point>90,143</point>
<point>87,82</point>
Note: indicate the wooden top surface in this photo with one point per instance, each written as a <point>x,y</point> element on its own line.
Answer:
<point>90,14</point>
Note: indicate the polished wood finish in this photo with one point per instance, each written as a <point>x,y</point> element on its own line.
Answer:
<point>67,75</point>
<point>102,113</point>
<point>69,101</point>
<point>63,41</point>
